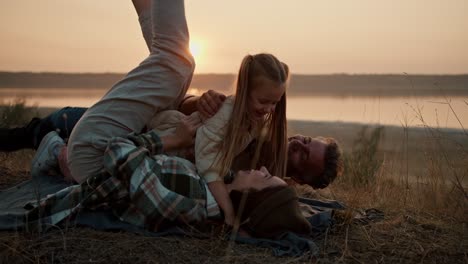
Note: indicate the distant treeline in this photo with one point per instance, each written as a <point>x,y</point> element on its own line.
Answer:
<point>331,84</point>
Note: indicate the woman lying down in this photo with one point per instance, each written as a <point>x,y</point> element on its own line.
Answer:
<point>151,190</point>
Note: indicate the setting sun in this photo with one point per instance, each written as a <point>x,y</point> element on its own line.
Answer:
<point>196,49</point>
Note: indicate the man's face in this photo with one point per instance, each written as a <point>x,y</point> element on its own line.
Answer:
<point>306,158</point>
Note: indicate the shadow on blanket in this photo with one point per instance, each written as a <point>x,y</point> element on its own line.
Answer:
<point>13,201</point>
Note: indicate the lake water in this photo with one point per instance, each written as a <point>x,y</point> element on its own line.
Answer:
<point>450,112</point>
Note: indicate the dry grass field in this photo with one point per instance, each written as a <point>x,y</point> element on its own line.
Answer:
<point>416,176</point>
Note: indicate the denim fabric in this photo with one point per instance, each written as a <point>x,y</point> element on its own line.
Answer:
<point>63,121</point>
<point>30,135</point>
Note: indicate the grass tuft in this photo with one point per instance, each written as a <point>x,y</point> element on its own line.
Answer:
<point>362,163</point>
<point>16,113</point>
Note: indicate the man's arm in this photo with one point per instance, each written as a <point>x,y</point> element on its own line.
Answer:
<point>120,149</point>
<point>184,135</point>
<point>207,104</point>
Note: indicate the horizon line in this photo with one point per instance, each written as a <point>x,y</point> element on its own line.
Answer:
<point>227,73</point>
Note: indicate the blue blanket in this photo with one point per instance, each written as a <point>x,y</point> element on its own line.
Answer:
<point>13,200</point>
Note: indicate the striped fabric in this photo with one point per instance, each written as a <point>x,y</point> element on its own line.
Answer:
<point>142,187</point>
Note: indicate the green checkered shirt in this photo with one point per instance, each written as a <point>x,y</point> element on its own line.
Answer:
<point>142,187</point>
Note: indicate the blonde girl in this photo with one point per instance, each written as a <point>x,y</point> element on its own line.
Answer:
<point>257,111</point>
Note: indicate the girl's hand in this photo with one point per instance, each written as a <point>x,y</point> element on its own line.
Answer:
<point>209,103</point>
<point>185,130</point>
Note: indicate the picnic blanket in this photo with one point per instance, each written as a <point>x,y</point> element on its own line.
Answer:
<point>14,199</point>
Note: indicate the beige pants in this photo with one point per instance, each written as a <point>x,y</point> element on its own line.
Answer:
<point>158,83</point>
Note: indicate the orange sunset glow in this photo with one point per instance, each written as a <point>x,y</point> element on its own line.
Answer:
<point>313,37</point>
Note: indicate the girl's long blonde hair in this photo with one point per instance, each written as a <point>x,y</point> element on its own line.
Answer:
<point>272,131</point>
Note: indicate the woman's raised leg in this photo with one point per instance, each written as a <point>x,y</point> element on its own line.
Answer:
<point>158,83</point>
<point>143,10</point>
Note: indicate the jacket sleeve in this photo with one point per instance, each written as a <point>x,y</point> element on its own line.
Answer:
<point>123,155</point>
<point>207,141</point>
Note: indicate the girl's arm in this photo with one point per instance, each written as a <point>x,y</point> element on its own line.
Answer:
<point>221,195</point>
<point>207,149</point>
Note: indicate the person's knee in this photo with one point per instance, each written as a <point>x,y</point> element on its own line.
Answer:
<point>172,51</point>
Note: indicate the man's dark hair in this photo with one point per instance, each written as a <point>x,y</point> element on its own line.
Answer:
<point>333,166</point>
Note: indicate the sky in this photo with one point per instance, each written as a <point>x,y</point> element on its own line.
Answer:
<point>311,36</point>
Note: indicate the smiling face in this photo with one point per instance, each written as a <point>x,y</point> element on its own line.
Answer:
<point>255,180</point>
<point>306,159</point>
<point>264,96</point>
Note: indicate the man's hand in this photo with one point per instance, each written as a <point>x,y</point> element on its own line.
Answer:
<point>209,103</point>
<point>183,136</point>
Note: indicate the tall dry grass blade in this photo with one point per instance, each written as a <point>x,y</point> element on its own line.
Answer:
<point>362,162</point>
<point>456,116</point>
<point>16,113</point>
<point>345,250</point>
<point>20,252</point>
